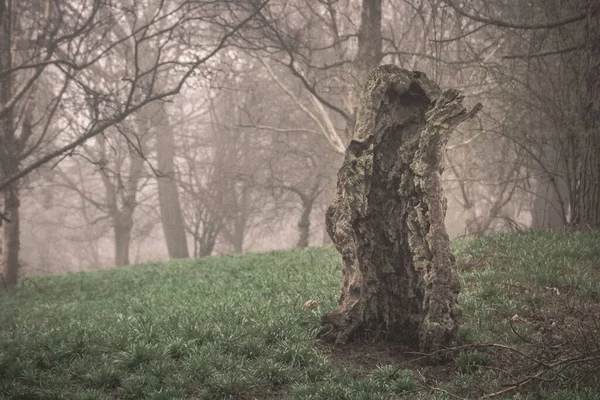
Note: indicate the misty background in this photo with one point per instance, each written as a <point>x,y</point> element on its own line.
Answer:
<point>142,130</point>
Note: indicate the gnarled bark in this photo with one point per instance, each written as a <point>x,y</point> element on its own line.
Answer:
<point>387,220</point>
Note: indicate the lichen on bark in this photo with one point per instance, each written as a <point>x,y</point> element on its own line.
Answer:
<point>387,220</point>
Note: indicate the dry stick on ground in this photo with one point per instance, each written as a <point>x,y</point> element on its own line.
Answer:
<point>561,365</point>
<point>538,376</point>
<point>474,346</point>
<point>438,389</point>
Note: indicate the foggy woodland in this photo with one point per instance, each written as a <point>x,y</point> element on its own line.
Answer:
<point>141,130</point>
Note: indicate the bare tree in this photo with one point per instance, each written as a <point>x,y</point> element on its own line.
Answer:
<point>64,47</point>
<point>545,79</point>
<point>204,182</point>
<point>122,173</point>
<point>242,151</point>
<point>320,49</point>
<point>219,166</point>
<point>299,165</point>
<point>155,119</point>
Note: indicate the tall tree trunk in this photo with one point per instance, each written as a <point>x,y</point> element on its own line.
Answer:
<point>586,209</point>
<point>155,119</point>
<point>329,195</point>
<point>548,209</point>
<point>207,248</point>
<point>235,231</point>
<point>304,223</point>
<point>121,198</point>
<point>369,52</point>
<point>368,56</point>
<point>168,195</point>
<point>212,228</point>
<point>122,230</point>
<point>387,220</point>
<point>9,161</point>
<point>11,236</point>
<point>238,234</point>
<point>308,202</point>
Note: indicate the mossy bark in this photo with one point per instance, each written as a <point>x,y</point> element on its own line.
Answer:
<point>387,220</point>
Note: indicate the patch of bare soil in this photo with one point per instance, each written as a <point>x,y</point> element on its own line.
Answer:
<point>362,357</point>
<point>558,348</point>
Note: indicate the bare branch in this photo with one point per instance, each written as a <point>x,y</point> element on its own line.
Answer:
<point>505,24</point>
<point>546,53</point>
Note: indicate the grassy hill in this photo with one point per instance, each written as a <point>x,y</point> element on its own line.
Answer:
<point>234,327</point>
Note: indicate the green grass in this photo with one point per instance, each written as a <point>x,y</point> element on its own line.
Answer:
<point>233,327</point>
<point>507,275</point>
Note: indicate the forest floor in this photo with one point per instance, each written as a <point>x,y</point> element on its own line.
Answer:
<point>235,327</point>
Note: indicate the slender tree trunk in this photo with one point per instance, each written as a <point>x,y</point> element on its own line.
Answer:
<point>206,249</point>
<point>369,40</point>
<point>387,220</point>
<point>209,236</point>
<point>240,218</point>
<point>122,231</point>
<point>304,223</point>
<point>329,195</point>
<point>239,232</point>
<point>308,202</point>
<point>121,198</point>
<point>586,208</point>
<point>168,195</point>
<point>195,231</point>
<point>11,236</point>
<point>155,119</point>
<point>235,231</point>
<point>368,56</point>
<point>9,162</point>
<point>548,209</point>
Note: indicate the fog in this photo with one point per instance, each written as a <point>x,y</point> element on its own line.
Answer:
<point>140,131</point>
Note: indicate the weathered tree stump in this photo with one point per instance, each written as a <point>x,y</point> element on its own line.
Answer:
<point>387,219</point>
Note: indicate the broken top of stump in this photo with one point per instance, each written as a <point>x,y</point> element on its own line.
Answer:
<point>381,83</point>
